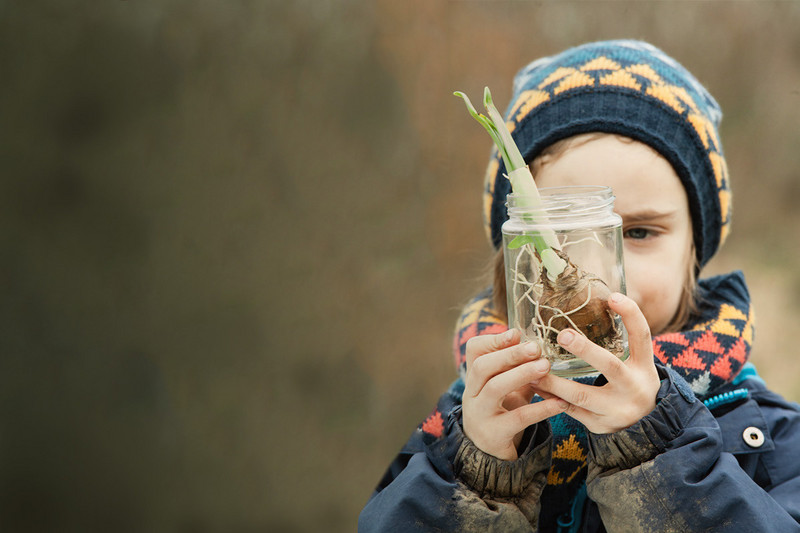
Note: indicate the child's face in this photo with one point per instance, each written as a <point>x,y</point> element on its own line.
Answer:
<point>656,225</point>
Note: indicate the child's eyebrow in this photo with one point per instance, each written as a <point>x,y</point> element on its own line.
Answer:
<point>647,215</point>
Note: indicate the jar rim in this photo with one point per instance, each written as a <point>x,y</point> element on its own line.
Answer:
<point>601,190</point>
<point>567,201</point>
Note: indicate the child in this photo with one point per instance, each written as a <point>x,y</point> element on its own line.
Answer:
<point>683,436</point>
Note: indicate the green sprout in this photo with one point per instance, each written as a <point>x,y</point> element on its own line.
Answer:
<point>522,183</point>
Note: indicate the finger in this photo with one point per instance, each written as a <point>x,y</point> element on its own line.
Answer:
<point>544,394</point>
<point>584,416</point>
<point>579,395</point>
<point>517,398</point>
<point>522,396</point>
<point>490,365</point>
<point>483,344</point>
<point>532,413</point>
<point>509,381</point>
<point>639,339</point>
<point>580,414</point>
<point>602,360</point>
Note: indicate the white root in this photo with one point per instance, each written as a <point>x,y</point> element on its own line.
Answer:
<point>592,238</point>
<point>526,295</point>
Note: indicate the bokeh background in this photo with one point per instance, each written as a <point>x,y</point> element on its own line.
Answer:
<point>235,236</point>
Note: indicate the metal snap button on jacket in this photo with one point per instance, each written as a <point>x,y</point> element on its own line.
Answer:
<point>753,437</point>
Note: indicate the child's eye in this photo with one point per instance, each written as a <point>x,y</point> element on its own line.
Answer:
<point>637,233</point>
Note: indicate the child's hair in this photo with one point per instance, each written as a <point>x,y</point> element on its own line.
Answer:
<point>688,302</point>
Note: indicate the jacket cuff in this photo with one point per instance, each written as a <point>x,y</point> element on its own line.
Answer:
<point>496,478</point>
<point>648,437</point>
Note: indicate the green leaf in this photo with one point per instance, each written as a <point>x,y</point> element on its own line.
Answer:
<point>520,240</point>
<point>514,157</point>
<point>468,103</point>
<point>484,121</point>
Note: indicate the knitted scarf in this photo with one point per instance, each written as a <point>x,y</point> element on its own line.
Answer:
<point>709,353</point>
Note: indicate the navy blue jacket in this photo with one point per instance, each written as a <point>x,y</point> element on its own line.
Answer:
<point>731,466</point>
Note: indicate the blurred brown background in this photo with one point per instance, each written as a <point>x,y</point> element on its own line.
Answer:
<point>236,236</point>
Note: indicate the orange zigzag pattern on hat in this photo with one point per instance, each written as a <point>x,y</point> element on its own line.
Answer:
<point>602,71</point>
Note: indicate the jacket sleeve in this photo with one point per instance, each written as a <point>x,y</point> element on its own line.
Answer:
<point>671,472</point>
<point>445,483</point>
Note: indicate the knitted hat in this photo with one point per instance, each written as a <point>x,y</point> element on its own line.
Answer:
<point>629,88</point>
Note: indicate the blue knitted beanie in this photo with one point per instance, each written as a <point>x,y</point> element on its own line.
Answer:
<point>628,88</point>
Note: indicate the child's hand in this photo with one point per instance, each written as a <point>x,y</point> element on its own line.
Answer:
<point>630,393</point>
<point>498,391</point>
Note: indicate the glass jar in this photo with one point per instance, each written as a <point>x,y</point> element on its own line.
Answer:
<point>563,258</point>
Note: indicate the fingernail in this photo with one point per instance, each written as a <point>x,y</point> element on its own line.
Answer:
<point>566,337</point>
<point>541,365</point>
<point>508,335</point>
<point>616,297</point>
<point>562,404</point>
